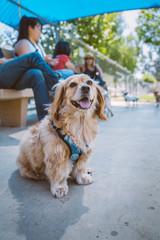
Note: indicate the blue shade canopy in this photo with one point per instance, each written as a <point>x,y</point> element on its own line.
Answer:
<point>55,11</point>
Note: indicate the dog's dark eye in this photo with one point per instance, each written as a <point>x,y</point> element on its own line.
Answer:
<point>73,84</point>
<point>89,82</point>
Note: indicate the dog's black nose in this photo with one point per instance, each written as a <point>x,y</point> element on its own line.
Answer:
<point>85,89</point>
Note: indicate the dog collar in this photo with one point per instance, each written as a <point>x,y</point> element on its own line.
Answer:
<point>75,152</point>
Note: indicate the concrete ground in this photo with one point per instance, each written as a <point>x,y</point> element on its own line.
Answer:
<point>123,203</point>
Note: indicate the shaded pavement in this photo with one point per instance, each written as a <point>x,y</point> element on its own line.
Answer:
<point>123,203</point>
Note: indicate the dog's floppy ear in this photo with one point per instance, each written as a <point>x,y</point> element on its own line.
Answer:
<point>100,105</point>
<point>59,90</point>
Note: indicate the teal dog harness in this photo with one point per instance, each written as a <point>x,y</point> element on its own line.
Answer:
<point>75,152</point>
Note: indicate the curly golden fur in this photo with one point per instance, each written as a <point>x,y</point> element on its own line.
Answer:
<point>78,103</point>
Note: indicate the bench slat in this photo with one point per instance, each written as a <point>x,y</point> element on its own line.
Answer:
<point>8,94</point>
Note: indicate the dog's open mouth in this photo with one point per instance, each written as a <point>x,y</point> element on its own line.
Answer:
<point>84,103</point>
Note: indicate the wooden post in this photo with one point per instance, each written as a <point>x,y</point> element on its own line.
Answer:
<point>13,107</point>
<point>13,113</point>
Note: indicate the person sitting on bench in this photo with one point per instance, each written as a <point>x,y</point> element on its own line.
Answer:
<point>28,37</point>
<point>91,69</point>
<point>62,54</point>
<point>29,71</point>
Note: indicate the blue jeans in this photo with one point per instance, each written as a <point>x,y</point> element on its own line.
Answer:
<point>65,73</point>
<point>30,71</point>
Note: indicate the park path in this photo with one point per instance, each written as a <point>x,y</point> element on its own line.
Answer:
<point>123,203</point>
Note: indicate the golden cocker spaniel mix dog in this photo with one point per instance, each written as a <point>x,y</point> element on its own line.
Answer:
<point>61,144</point>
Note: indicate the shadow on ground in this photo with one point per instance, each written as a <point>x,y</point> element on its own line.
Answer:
<point>10,136</point>
<point>40,215</point>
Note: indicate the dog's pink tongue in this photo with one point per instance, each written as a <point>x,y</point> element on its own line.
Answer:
<point>85,104</point>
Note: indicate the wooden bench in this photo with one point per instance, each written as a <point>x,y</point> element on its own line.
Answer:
<point>13,107</point>
<point>13,103</point>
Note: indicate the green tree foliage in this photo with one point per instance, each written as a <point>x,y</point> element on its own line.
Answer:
<point>148,29</point>
<point>148,32</point>
<point>104,33</point>
<point>8,36</point>
<point>100,31</point>
<point>147,77</point>
<point>125,52</point>
<point>48,38</point>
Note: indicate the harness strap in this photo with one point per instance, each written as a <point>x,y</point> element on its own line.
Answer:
<point>75,153</point>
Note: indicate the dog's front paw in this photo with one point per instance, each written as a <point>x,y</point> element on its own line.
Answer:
<point>84,179</point>
<point>59,191</point>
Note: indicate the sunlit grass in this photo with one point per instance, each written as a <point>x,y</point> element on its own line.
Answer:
<point>142,98</point>
<point>147,98</point>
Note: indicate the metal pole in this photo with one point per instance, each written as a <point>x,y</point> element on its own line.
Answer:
<point>19,10</point>
<point>57,33</point>
<point>136,85</point>
<point>115,76</point>
<point>125,79</point>
<point>96,57</point>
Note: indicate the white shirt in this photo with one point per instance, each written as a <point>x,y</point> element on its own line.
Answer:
<point>32,48</point>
